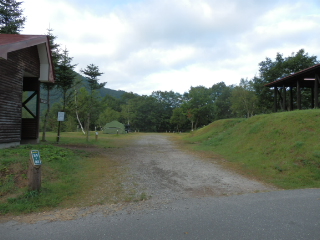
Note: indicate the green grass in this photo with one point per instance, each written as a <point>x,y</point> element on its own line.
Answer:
<point>59,177</point>
<point>280,148</point>
<point>68,175</point>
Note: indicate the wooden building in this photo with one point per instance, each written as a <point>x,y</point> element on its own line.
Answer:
<point>25,61</point>
<point>307,79</point>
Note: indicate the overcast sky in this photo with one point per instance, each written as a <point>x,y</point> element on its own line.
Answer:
<point>148,45</point>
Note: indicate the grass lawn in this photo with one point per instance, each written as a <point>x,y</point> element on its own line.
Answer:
<point>71,170</point>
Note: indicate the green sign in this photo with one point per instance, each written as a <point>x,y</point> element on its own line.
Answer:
<point>35,155</point>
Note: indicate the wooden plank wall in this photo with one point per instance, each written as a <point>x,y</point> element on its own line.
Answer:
<point>29,129</point>
<point>11,85</point>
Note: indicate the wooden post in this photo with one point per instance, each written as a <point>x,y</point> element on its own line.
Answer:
<point>60,119</point>
<point>312,97</point>
<point>58,134</point>
<point>291,100</point>
<point>298,95</point>
<point>275,99</point>
<point>34,171</point>
<point>284,99</point>
<point>316,91</point>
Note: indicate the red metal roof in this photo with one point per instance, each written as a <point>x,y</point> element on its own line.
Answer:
<point>14,38</point>
<point>291,79</point>
<point>14,42</point>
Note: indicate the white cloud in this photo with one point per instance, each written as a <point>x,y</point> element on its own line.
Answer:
<point>149,45</point>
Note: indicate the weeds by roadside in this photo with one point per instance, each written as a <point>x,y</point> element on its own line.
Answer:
<point>71,170</point>
<point>58,178</point>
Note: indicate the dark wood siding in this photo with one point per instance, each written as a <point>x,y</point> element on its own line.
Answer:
<point>11,86</point>
<point>29,128</point>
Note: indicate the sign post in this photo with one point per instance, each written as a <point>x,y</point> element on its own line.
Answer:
<point>97,135</point>
<point>60,119</point>
<point>34,172</point>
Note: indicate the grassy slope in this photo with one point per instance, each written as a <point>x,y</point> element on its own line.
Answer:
<point>280,148</point>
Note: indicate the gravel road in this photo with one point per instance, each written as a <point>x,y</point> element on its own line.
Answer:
<point>160,169</point>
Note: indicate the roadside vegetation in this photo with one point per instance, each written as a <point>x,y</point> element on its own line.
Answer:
<point>280,148</point>
<point>72,174</point>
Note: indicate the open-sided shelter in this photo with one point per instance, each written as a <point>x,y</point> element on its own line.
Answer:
<point>114,127</point>
<point>25,61</point>
<point>283,88</point>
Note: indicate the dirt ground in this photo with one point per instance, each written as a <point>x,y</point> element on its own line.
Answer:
<point>166,172</point>
<point>159,171</point>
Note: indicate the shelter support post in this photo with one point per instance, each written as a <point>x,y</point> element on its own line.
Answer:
<point>275,98</point>
<point>312,97</point>
<point>284,107</point>
<point>280,98</point>
<point>298,95</point>
<point>316,91</point>
<point>291,99</point>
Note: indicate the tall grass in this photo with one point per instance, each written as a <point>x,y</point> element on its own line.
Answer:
<point>280,148</point>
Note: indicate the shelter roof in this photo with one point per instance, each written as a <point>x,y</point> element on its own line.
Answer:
<point>305,76</point>
<point>14,42</point>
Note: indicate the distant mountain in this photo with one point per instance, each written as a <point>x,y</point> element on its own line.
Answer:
<point>103,91</point>
<point>55,95</point>
<point>111,92</point>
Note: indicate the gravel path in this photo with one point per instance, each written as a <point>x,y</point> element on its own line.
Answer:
<point>160,169</point>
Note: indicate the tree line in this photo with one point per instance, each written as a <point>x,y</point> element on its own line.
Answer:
<point>162,110</point>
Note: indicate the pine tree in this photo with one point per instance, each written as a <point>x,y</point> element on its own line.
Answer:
<point>65,76</point>
<point>11,18</point>
<point>55,56</point>
<point>65,80</point>
<point>92,73</point>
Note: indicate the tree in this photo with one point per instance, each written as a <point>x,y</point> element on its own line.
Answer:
<point>178,118</point>
<point>11,19</point>
<point>65,80</point>
<point>166,102</point>
<point>270,71</point>
<point>221,97</point>
<point>65,76</point>
<point>126,107</point>
<point>92,73</point>
<point>55,56</point>
<point>87,102</point>
<point>108,115</point>
<point>127,113</point>
<point>198,106</point>
<point>243,99</point>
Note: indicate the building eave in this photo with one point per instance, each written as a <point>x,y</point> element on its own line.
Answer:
<point>14,42</point>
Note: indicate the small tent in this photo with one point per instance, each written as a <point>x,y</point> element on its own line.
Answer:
<point>113,127</point>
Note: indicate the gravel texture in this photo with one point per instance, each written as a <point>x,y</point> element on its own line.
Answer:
<point>160,169</point>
